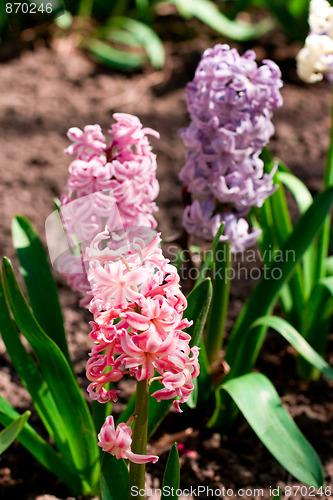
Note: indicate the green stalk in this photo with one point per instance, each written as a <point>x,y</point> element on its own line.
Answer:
<point>220,302</point>
<point>85,8</point>
<point>139,442</point>
<point>324,235</point>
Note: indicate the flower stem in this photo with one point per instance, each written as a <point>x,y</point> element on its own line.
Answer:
<point>220,302</point>
<point>139,442</point>
<point>324,235</point>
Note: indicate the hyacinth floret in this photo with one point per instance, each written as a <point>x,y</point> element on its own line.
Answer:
<point>230,101</point>
<point>315,59</point>
<point>112,185</point>
<point>118,442</point>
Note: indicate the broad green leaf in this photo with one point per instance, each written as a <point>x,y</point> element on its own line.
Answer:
<point>32,378</point>
<point>260,404</point>
<point>171,478</point>
<point>145,36</point>
<point>39,281</point>
<point>103,53</point>
<point>297,341</point>
<point>198,302</point>
<point>43,452</point>
<point>10,433</point>
<point>78,424</point>
<point>208,13</point>
<point>241,356</point>
<point>114,478</point>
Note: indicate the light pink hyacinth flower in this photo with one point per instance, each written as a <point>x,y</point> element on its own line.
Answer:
<point>138,324</point>
<point>118,442</point>
<point>113,185</point>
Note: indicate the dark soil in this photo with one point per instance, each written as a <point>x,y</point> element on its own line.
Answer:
<point>48,89</point>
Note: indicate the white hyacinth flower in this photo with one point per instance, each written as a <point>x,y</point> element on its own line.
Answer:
<point>321,18</point>
<point>316,58</point>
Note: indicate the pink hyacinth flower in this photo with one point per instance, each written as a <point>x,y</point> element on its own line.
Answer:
<point>118,442</point>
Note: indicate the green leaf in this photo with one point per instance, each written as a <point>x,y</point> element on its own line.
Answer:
<point>208,256</point>
<point>78,424</point>
<point>198,302</point>
<point>193,399</point>
<point>282,228</point>
<point>64,21</point>
<point>278,495</point>
<point>103,53</point>
<point>207,12</point>
<point>316,322</point>
<point>298,189</point>
<point>243,350</point>
<point>118,36</point>
<point>291,17</point>
<point>85,8</point>
<point>4,18</point>
<point>32,378</point>
<point>39,281</point>
<point>260,404</point>
<point>145,36</point>
<point>142,7</point>
<point>297,341</point>
<point>171,478</point>
<point>100,412</point>
<point>329,266</point>
<point>43,452</point>
<point>10,433</point>
<point>114,479</point>
<point>303,199</point>
<point>241,356</point>
<point>220,301</point>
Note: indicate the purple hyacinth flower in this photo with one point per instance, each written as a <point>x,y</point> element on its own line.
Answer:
<point>231,102</point>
